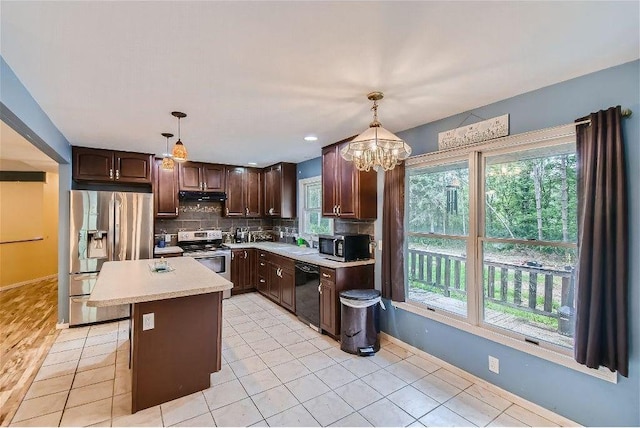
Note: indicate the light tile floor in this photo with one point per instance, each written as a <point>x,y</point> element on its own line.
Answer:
<point>276,372</point>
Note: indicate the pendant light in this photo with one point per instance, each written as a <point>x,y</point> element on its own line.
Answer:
<point>167,161</point>
<point>376,147</point>
<point>179,151</point>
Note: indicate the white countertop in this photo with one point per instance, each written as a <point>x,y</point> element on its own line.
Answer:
<point>132,281</point>
<point>167,250</point>
<point>303,254</point>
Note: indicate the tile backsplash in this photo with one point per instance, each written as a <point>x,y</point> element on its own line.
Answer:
<point>195,215</point>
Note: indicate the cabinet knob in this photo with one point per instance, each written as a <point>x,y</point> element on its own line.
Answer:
<point>326,275</point>
<point>227,211</point>
<point>204,186</point>
<point>117,174</point>
<point>320,289</point>
<point>262,280</point>
<point>246,210</point>
<point>111,173</point>
<point>338,210</point>
<point>335,209</point>
<point>245,254</point>
<point>261,264</point>
<point>176,210</point>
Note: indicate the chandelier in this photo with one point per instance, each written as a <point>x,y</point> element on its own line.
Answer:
<point>179,152</point>
<point>376,147</point>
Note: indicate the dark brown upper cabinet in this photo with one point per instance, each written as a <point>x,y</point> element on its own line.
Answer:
<point>280,190</point>
<point>346,192</point>
<point>244,192</point>
<point>98,165</point>
<point>165,190</point>
<point>204,177</point>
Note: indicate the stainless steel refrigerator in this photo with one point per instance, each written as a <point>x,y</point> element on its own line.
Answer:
<point>104,226</point>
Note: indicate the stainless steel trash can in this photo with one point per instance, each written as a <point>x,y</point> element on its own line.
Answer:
<point>360,321</point>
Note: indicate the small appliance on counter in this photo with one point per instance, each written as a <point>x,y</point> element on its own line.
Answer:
<point>104,226</point>
<point>347,247</point>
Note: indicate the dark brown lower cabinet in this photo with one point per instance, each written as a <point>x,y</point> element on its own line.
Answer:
<point>327,305</point>
<point>332,282</point>
<point>288,288</point>
<point>275,279</point>
<point>243,270</point>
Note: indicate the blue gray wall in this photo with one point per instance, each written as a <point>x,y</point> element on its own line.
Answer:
<point>310,168</point>
<point>583,398</point>
<point>19,110</point>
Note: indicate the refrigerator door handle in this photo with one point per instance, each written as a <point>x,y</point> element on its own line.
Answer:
<point>116,229</point>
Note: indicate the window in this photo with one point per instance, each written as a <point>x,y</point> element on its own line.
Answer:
<point>491,234</point>
<point>310,203</point>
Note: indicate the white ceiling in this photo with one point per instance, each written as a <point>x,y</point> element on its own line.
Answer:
<point>256,77</point>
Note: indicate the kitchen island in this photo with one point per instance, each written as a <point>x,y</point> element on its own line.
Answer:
<point>176,325</point>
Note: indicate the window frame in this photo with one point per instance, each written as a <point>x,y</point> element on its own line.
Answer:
<point>474,321</point>
<point>303,184</point>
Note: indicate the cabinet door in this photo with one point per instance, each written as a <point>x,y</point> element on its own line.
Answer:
<point>288,289</point>
<point>234,205</point>
<point>329,174</point>
<point>346,188</point>
<point>165,191</point>
<point>250,270</point>
<point>273,177</point>
<point>274,282</point>
<point>213,177</point>
<point>92,164</point>
<point>237,270</point>
<point>253,192</point>
<point>190,176</point>
<point>132,167</point>
<point>328,307</point>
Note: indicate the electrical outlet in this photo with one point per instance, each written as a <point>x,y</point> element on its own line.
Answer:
<point>148,321</point>
<point>494,364</point>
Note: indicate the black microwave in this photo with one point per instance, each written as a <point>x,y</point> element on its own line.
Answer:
<point>345,248</point>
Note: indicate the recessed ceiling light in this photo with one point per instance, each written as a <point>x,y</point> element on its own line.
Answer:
<point>311,138</point>
<point>252,163</point>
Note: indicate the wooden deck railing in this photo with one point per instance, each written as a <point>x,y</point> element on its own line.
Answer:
<point>516,286</point>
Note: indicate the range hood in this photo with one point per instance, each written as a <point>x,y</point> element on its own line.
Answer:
<point>202,196</point>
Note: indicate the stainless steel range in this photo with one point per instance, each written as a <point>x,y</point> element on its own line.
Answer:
<point>206,247</point>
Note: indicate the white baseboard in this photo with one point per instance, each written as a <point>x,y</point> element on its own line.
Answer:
<point>30,281</point>
<point>546,413</point>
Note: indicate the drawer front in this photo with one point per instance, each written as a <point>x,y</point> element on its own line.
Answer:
<point>80,313</point>
<point>327,274</point>
<point>82,283</point>
<point>283,262</point>
<point>263,268</point>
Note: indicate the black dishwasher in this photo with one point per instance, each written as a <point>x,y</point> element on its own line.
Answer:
<point>307,294</point>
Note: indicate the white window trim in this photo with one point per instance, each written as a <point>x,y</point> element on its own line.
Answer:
<point>473,322</point>
<point>301,203</point>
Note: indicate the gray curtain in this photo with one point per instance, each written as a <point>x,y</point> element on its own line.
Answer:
<point>601,337</point>
<point>393,234</point>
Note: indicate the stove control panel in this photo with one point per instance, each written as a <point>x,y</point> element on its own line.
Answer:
<point>199,235</point>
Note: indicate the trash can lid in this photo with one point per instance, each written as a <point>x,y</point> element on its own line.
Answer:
<point>360,294</point>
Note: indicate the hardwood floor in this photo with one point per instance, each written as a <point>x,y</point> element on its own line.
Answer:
<point>28,316</point>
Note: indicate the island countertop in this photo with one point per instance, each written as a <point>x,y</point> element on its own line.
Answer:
<point>132,281</point>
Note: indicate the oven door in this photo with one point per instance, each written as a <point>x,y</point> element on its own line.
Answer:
<point>220,264</point>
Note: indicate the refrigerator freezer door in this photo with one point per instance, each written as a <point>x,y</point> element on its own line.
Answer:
<point>91,240</point>
<point>80,313</point>
<point>82,283</point>
<point>133,226</point>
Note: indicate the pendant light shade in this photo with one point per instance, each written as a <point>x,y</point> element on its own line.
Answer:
<point>376,147</point>
<point>179,151</point>
<point>167,161</point>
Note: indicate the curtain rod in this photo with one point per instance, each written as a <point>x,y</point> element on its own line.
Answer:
<point>625,113</point>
